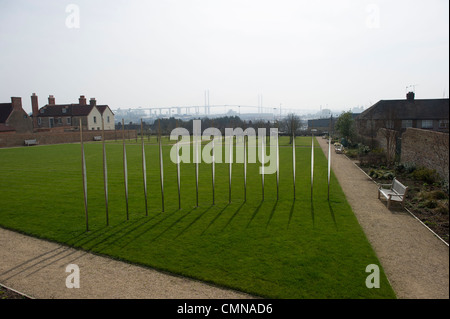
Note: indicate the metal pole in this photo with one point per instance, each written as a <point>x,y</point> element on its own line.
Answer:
<point>105,173</point>
<point>178,173</point>
<point>161,167</point>
<point>125,168</point>
<point>329,165</point>
<point>196,166</point>
<point>245,169</point>
<point>213,170</point>
<point>262,165</point>
<point>144,169</point>
<point>312,164</point>
<point>83,171</point>
<point>278,167</point>
<point>293,159</point>
<point>230,146</point>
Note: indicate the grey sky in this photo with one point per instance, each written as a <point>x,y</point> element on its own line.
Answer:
<point>337,54</point>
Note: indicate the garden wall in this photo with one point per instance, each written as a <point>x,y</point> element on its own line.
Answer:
<point>16,139</point>
<point>426,148</point>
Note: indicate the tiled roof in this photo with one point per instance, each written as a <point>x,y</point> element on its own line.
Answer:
<point>5,111</point>
<point>430,109</point>
<point>70,110</point>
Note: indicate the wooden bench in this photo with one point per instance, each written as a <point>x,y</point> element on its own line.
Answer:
<point>31,142</point>
<point>395,191</point>
<point>338,148</point>
<point>97,138</point>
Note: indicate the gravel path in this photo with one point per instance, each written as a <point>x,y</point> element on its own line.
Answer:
<point>415,261</point>
<point>38,268</point>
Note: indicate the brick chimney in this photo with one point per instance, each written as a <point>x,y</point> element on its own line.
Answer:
<point>82,100</point>
<point>34,108</point>
<point>16,103</point>
<point>51,100</point>
<point>410,96</point>
<point>92,101</point>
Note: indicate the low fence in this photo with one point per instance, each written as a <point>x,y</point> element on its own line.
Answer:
<point>16,139</point>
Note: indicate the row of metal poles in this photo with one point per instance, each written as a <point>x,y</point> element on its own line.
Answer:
<point>196,153</point>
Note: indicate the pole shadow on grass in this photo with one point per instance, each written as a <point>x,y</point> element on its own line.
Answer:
<point>171,225</point>
<point>234,215</point>
<point>254,213</point>
<point>194,221</point>
<point>215,218</point>
<point>291,213</point>
<point>271,213</point>
<point>332,215</point>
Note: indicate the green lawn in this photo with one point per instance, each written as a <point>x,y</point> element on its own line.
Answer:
<point>275,249</point>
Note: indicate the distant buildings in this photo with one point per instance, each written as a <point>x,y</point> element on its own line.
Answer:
<point>398,115</point>
<point>67,116</point>
<point>13,118</point>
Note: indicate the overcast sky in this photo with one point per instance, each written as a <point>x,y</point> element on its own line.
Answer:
<point>337,54</point>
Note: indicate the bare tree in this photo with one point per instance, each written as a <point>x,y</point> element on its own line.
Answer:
<point>291,123</point>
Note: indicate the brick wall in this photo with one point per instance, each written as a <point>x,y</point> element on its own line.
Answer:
<point>16,139</point>
<point>426,148</point>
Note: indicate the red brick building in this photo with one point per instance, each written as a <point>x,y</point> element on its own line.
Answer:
<point>13,118</point>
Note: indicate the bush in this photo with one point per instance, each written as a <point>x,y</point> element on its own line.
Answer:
<point>426,175</point>
<point>381,174</point>
<point>351,153</point>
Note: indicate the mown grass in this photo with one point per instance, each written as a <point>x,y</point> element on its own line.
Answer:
<point>288,248</point>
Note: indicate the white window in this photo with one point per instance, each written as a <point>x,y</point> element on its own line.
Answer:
<point>107,119</point>
<point>427,123</point>
<point>39,120</point>
<point>95,119</point>
<point>69,121</point>
<point>406,123</point>
<point>443,123</point>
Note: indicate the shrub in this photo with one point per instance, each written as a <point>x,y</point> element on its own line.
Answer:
<point>426,175</point>
<point>373,159</point>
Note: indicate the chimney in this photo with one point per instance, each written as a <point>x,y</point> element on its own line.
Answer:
<point>51,100</point>
<point>82,100</point>
<point>410,96</point>
<point>92,101</point>
<point>34,108</point>
<point>16,103</point>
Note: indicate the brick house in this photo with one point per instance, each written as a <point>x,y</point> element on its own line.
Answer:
<point>67,116</point>
<point>398,115</point>
<point>13,117</point>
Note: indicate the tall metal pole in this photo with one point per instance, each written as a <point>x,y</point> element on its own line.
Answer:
<point>263,151</point>
<point>245,169</point>
<point>213,167</point>
<point>144,169</point>
<point>293,159</point>
<point>278,168</point>
<point>83,172</point>
<point>329,165</point>
<point>312,163</point>
<point>196,166</point>
<point>161,167</point>
<point>178,173</point>
<point>230,147</point>
<point>105,173</point>
<point>125,168</point>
